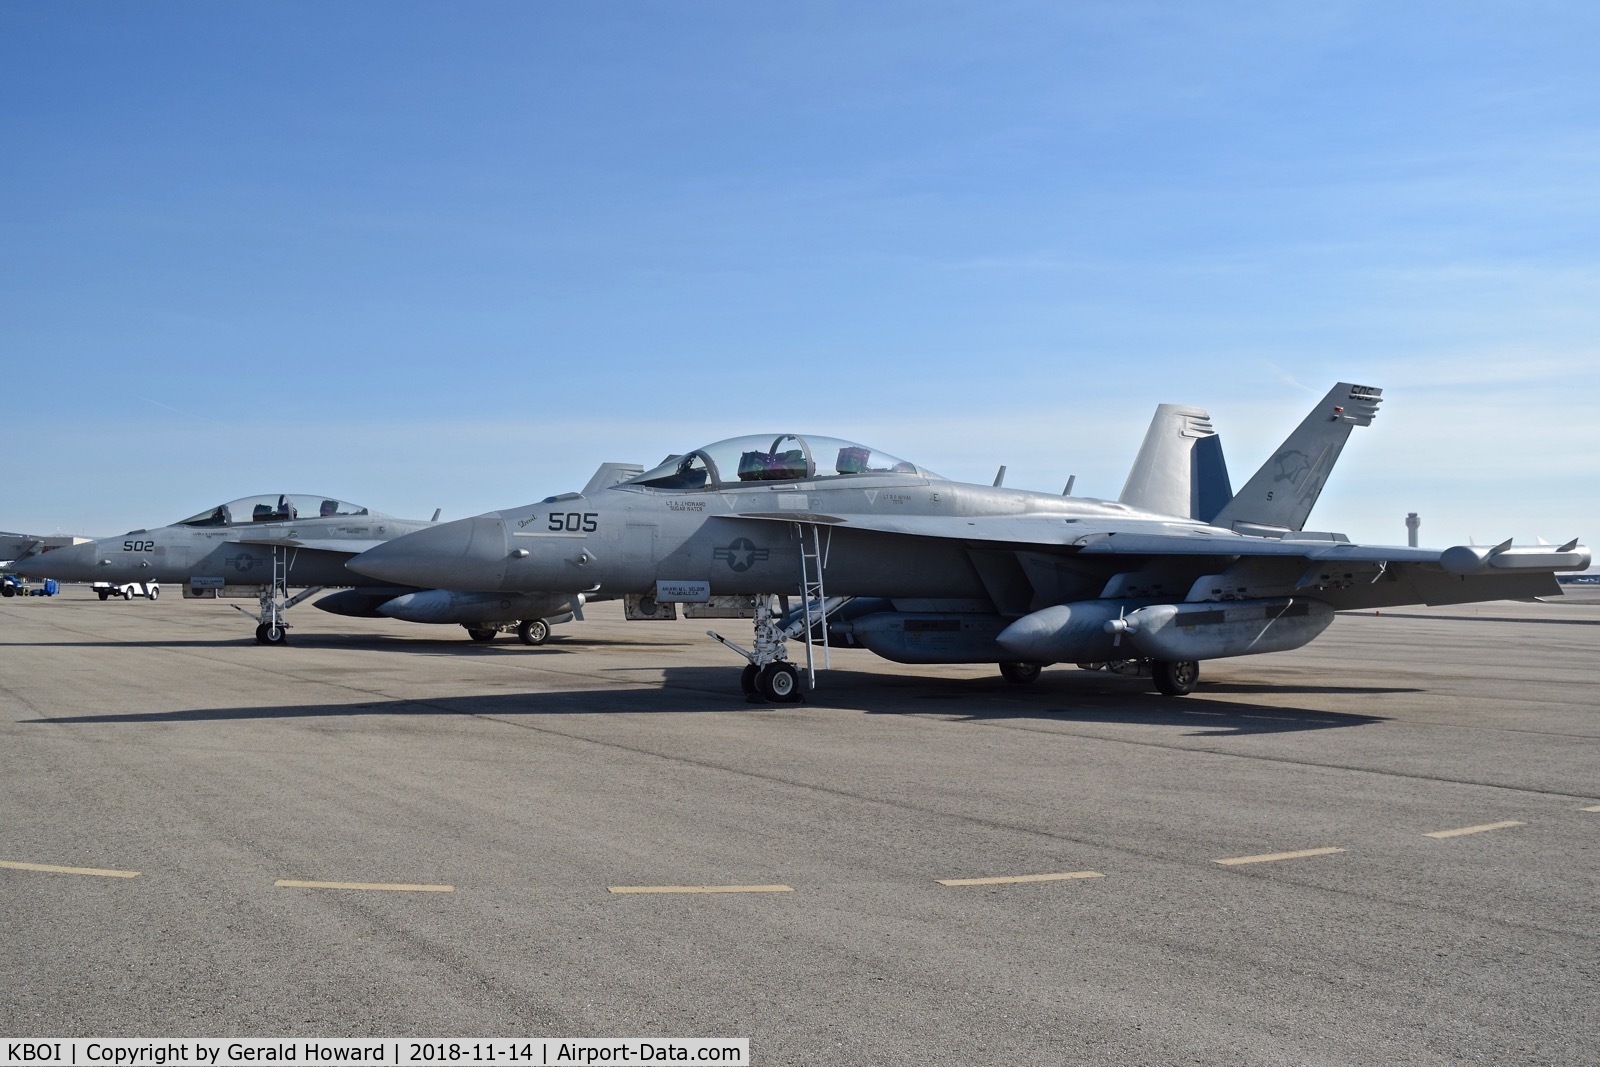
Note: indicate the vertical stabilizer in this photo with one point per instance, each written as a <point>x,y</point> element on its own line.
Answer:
<point>1180,469</point>
<point>1284,490</point>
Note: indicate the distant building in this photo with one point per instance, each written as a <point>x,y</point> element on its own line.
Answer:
<point>13,545</point>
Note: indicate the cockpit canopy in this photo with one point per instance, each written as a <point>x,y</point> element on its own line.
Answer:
<point>773,458</point>
<point>279,507</point>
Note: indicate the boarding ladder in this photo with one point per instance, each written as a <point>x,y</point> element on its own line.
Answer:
<point>814,606</point>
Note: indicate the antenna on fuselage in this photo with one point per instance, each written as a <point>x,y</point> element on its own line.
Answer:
<point>1068,490</point>
<point>436,513</point>
<point>1000,476</point>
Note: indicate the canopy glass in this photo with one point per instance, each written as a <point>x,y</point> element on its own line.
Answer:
<point>773,458</point>
<point>274,507</point>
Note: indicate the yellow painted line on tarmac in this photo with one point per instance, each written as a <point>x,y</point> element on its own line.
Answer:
<point>1015,879</point>
<point>382,887</point>
<point>1595,808</point>
<point>51,868</point>
<point>699,889</point>
<point>1272,857</point>
<point>1474,829</point>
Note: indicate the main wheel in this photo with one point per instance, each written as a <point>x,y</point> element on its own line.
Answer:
<point>1020,672</point>
<point>481,634</point>
<point>1175,678</point>
<point>154,592</point>
<point>533,631</point>
<point>779,683</point>
<point>747,682</point>
<point>103,593</point>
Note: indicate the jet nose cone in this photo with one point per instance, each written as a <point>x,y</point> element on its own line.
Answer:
<point>71,563</point>
<point>465,554</point>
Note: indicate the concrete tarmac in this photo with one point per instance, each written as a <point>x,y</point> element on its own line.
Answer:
<point>1383,848</point>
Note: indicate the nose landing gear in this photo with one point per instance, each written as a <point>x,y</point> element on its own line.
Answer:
<point>768,675</point>
<point>275,601</point>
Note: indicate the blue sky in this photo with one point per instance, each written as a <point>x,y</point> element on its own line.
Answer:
<point>456,255</point>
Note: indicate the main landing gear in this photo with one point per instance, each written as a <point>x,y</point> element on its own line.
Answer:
<point>533,631</point>
<point>1020,673</point>
<point>529,632</point>
<point>1173,678</point>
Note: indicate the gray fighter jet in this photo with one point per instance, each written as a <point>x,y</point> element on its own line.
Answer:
<point>887,556</point>
<point>261,547</point>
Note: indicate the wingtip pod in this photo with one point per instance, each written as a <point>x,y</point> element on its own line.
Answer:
<point>1480,559</point>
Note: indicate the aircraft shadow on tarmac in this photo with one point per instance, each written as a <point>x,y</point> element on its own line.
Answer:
<point>411,645</point>
<point>1068,696</point>
<point>1062,696</point>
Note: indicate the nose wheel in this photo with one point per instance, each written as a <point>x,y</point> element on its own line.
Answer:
<point>776,683</point>
<point>270,634</point>
<point>779,683</point>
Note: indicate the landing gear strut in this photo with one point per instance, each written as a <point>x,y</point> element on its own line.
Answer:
<point>768,674</point>
<point>275,601</point>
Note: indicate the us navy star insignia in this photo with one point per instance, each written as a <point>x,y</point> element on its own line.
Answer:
<point>740,554</point>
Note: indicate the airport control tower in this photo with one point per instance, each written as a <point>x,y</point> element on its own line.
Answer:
<point>1412,524</point>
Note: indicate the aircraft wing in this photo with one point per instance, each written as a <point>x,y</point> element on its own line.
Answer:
<point>341,546</point>
<point>1378,575</point>
<point>1148,544</point>
<point>1107,537</point>
<point>1005,529</point>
